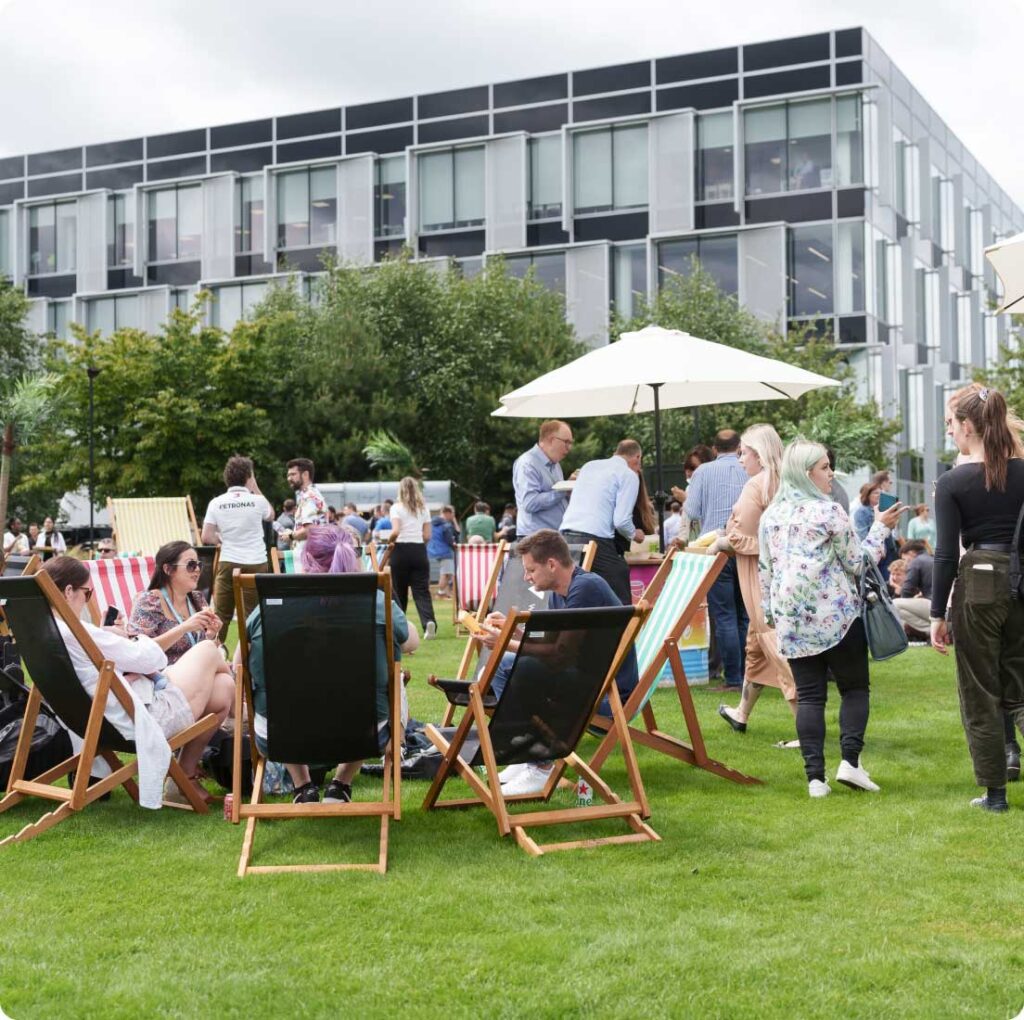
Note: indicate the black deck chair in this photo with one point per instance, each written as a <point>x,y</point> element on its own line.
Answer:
<point>513,594</point>
<point>320,666</point>
<point>29,604</point>
<point>566,664</point>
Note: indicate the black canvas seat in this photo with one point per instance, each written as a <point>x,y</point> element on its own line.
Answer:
<point>320,663</point>
<point>29,604</point>
<point>565,665</point>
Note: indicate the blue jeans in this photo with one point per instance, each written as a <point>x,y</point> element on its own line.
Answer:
<point>729,618</point>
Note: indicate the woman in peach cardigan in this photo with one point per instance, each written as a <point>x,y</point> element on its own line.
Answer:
<point>761,457</point>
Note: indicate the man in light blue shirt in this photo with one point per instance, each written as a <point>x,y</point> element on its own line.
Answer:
<point>601,510</point>
<point>713,490</point>
<point>534,475</point>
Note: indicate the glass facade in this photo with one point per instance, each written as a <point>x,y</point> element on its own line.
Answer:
<point>175,218</point>
<point>610,169</point>
<point>249,214</point>
<point>120,230</point>
<point>716,253</point>
<point>307,207</point>
<point>52,236</point>
<point>850,279</point>
<point>715,146</point>
<point>811,286</point>
<point>6,262</point>
<point>545,177</point>
<point>548,267</point>
<point>389,198</point>
<point>451,189</point>
<point>235,302</point>
<point>58,318</point>
<point>629,278</point>
<point>109,314</point>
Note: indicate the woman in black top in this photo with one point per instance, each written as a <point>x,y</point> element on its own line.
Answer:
<point>978,503</point>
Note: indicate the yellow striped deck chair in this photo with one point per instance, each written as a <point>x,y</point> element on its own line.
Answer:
<point>141,526</point>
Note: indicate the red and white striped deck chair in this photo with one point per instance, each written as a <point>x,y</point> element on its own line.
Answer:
<point>477,568</point>
<point>117,582</point>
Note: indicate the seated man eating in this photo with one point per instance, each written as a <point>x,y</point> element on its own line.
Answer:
<point>548,566</point>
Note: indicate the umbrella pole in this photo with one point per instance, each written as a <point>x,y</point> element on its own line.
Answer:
<point>660,496</point>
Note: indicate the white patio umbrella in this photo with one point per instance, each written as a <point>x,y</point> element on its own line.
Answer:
<point>1007,258</point>
<point>652,369</point>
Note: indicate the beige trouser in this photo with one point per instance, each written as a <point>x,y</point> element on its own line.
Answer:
<point>914,613</point>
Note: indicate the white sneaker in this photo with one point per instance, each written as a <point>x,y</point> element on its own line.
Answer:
<point>816,788</point>
<point>509,772</point>
<point>855,778</point>
<point>532,779</point>
<point>430,630</point>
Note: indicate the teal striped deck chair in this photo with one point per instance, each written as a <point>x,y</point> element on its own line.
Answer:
<point>677,592</point>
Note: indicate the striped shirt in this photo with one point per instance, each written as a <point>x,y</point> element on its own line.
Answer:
<point>713,491</point>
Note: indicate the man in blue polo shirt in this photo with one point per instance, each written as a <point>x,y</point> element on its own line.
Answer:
<point>549,566</point>
<point>534,475</point>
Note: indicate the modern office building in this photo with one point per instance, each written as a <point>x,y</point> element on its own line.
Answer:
<point>807,175</point>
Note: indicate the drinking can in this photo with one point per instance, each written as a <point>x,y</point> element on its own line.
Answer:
<point>584,793</point>
<point>229,800</point>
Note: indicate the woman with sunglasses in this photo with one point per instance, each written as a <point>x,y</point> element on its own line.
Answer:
<point>172,612</point>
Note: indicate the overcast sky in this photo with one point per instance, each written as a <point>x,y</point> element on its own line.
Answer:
<point>84,71</point>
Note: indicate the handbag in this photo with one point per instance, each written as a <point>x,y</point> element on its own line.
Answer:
<point>882,626</point>
<point>1016,580</point>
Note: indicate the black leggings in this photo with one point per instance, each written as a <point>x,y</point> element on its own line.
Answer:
<point>411,568</point>
<point>848,664</point>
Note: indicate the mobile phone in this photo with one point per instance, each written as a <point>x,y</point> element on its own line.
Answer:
<point>111,617</point>
<point>886,500</point>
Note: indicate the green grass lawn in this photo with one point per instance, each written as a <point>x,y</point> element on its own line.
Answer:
<point>758,902</point>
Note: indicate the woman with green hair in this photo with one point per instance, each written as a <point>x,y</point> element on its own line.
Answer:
<point>810,556</point>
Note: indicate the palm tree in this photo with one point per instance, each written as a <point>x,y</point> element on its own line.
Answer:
<point>25,404</point>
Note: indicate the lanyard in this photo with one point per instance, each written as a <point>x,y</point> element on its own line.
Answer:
<point>191,635</point>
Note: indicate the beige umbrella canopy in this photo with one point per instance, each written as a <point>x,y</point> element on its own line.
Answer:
<point>1007,258</point>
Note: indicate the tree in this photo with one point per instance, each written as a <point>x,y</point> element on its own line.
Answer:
<point>25,404</point>
<point>838,418</point>
<point>20,348</point>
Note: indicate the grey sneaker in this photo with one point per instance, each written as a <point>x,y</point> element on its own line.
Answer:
<point>430,631</point>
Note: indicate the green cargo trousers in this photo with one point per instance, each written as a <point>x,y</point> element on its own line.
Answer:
<point>988,635</point>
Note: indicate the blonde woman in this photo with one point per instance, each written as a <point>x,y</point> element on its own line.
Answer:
<point>761,457</point>
<point>410,531</point>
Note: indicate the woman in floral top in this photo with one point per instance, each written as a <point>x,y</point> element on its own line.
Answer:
<point>809,560</point>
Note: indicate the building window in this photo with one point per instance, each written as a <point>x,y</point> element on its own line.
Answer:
<point>236,302</point>
<point>946,232</point>
<point>716,254</point>
<point>629,273</point>
<point>113,313</point>
<point>810,271</point>
<point>764,137</point>
<point>120,231</point>
<point>964,322</point>
<point>714,157</point>
<point>849,141</point>
<point>977,242</point>
<point>610,169</point>
<point>548,267</point>
<point>175,223</point>
<point>850,267</point>
<point>451,189</point>
<point>928,303</point>
<point>307,207</point>
<point>6,267</point>
<point>249,215</point>
<point>991,328</point>
<point>58,318</point>
<point>182,298</point>
<point>389,198</point>
<point>545,177</point>
<point>914,404</point>
<point>52,234</point>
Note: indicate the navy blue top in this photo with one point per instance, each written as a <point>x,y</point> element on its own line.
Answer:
<point>588,591</point>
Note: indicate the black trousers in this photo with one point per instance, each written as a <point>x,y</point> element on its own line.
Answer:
<point>608,563</point>
<point>848,662</point>
<point>410,568</point>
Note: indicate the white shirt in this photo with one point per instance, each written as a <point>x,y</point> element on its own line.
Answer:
<point>54,541</point>
<point>238,516</point>
<point>142,655</point>
<point>16,545</point>
<point>408,525</point>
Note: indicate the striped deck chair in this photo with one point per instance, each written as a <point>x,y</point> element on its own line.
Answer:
<point>477,568</point>
<point>141,526</point>
<point>677,591</point>
<point>118,583</point>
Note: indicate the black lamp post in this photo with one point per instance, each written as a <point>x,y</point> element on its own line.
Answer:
<point>92,372</point>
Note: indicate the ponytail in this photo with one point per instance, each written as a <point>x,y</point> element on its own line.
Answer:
<point>986,410</point>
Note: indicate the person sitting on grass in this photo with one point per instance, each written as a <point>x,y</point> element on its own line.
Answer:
<point>548,566</point>
<point>329,549</point>
<point>176,695</point>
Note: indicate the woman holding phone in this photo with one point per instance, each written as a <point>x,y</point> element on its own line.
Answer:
<point>977,504</point>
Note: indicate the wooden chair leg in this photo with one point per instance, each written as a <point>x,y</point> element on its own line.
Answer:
<point>131,787</point>
<point>48,821</point>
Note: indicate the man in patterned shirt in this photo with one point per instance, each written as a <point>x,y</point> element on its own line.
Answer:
<point>310,506</point>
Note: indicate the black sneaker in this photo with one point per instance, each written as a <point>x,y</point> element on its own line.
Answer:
<point>338,792</point>
<point>1012,764</point>
<point>307,794</point>
<point>998,806</point>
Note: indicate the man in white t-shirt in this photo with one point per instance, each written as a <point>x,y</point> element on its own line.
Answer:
<point>234,521</point>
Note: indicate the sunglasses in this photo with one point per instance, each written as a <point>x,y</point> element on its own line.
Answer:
<point>192,566</point>
<point>86,589</point>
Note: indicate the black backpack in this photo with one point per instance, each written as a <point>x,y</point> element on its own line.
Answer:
<point>51,743</point>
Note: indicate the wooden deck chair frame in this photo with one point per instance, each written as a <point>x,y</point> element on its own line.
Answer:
<point>193,526</point>
<point>492,584</point>
<point>489,794</point>
<point>694,752</point>
<point>471,652</point>
<point>81,794</point>
<point>388,807</point>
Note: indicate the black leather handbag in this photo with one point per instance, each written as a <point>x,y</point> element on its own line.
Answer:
<point>882,626</point>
